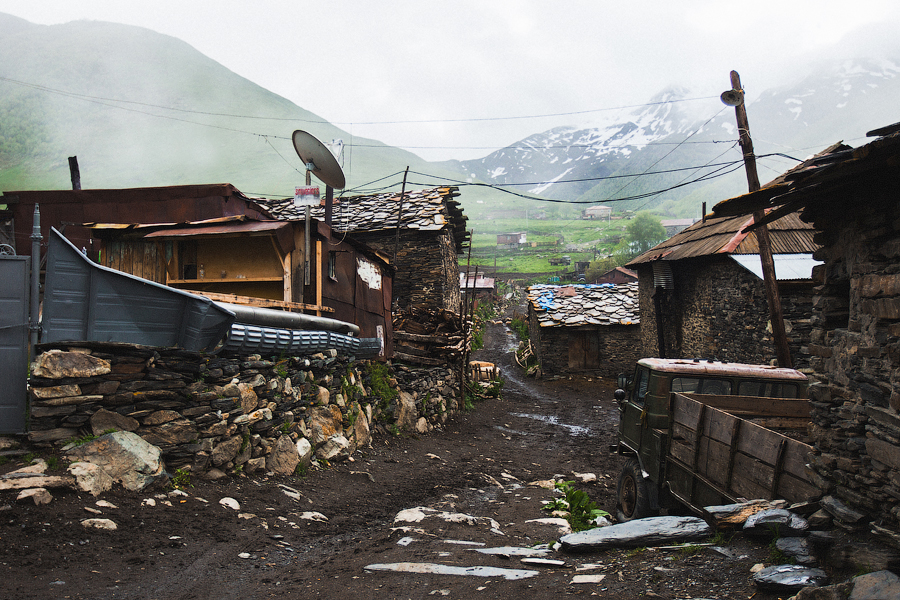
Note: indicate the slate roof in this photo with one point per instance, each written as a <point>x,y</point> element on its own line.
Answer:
<point>430,209</point>
<point>585,304</point>
<point>835,168</point>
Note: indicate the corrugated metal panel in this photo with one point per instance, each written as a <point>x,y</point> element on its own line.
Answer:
<point>788,267</point>
<point>244,338</point>
<point>719,235</point>
<point>86,302</point>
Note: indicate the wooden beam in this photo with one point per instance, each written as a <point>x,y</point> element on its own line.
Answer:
<point>263,302</point>
<point>288,278</point>
<point>319,274</point>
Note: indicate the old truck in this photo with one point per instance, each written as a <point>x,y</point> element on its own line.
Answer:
<point>702,432</point>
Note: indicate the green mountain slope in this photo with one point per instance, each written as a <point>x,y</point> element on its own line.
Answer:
<point>95,90</point>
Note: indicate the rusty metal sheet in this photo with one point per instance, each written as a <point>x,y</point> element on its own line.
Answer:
<point>173,204</point>
<point>687,366</point>
<point>219,229</point>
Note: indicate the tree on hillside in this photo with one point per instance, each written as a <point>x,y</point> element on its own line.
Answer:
<point>643,232</point>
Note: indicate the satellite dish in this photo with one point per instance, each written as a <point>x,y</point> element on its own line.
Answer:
<point>732,97</point>
<point>318,159</point>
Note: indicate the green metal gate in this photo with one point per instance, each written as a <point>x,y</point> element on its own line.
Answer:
<point>14,294</point>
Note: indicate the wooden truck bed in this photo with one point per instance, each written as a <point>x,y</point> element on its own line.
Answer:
<point>718,457</point>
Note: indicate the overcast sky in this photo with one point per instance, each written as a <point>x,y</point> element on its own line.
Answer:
<point>371,67</point>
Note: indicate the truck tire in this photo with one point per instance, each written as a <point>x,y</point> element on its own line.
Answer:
<point>632,493</point>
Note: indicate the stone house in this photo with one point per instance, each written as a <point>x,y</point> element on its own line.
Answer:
<point>597,212</point>
<point>702,293</point>
<point>432,234</point>
<point>618,276</point>
<point>851,197</point>
<point>585,329</point>
<point>511,241</point>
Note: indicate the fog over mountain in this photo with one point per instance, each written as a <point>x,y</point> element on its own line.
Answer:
<point>140,108</point>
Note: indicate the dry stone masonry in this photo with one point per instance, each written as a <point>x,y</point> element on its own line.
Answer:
<point>232,413</point>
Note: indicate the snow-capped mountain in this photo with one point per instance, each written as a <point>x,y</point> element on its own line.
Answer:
<point>675,140</point>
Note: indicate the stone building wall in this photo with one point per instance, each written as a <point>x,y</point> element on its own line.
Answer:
<point>427,267</point>
<point>618,347</point>
<point>719,310</point>
<point>856,350</point>
<point>228,412</point>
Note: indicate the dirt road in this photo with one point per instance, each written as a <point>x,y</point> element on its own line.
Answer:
<point>480,465</point>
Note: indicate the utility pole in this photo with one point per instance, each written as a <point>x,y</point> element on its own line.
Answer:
<point>735,97</point>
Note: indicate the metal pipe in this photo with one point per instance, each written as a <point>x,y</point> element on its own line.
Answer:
<point>35,306</point>
<point>288,320</point>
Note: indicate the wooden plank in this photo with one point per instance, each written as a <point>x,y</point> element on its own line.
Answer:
<point>760,443</point>
<point>752,478</point>
<point>757,406</point>
<point>715,462</point>
<point>418,359</point>
<point>415,337</point>
<point>262,302</point>
<point>799,424</point>
<point>288,279</point>
<point>319,275</point>
<point>796,489</point>
<point>720,425</point>
<point>680,451</point>
<point>685,410</point>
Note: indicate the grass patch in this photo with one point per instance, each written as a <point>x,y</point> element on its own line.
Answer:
<point>181,479</point>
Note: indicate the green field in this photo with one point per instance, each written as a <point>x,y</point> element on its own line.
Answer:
<point>579,239</point>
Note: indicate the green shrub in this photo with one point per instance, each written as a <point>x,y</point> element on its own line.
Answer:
<point>582,511</point>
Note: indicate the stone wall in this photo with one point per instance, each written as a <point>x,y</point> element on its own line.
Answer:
<point>427,267</point>
<point>616,348</point>
<point>719,310</point>
<point>229,412</point>
<point>856,350</point>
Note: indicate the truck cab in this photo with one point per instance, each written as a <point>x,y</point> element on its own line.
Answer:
<point>645,416</point>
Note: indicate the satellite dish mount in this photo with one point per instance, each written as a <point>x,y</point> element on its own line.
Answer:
<point>319,161</point>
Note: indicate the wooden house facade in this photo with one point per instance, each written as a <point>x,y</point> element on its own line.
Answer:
<point>215,241</point>
<point>423,233</point>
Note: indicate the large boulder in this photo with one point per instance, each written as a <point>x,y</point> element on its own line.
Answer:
<point>57,364</point>
<point>126,457</point>
<point>104,420</point>
<point>652,531</point>
<point>362,435</point>
<point>90,478</point>
<point>325,422</point>
<point>337,447</point>
<point>284,457</point>
<point>226,450</point>
<point>407,413</point>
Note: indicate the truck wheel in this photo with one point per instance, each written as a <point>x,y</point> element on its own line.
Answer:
<point>632,495</point>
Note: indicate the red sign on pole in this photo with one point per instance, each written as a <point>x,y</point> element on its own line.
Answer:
<point>306,196</point>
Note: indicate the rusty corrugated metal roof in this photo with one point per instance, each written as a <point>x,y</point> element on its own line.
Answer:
<point>725,235</point>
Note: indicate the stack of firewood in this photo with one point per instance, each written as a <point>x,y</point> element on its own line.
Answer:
<point>430,337</point>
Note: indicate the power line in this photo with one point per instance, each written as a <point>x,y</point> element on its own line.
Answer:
<point>102,99</point>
